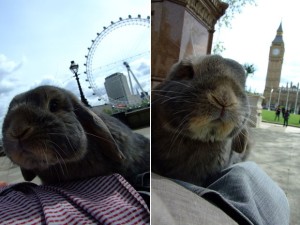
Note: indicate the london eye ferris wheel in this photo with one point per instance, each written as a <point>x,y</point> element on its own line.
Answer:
<point>122,47</point>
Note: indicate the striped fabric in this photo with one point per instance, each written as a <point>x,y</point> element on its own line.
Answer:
<point>100,200</point>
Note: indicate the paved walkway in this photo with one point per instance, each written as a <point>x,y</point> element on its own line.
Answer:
<point>277,151</point>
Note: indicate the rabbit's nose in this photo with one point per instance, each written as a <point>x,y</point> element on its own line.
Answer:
<point>223,97</point>
<point>21,132</point>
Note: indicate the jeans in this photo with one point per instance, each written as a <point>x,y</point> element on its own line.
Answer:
<point>247,194</point>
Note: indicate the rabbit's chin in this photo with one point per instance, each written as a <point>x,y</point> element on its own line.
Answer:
<point>212,132</point>
<point>39,158</point>
<point>29,161</point>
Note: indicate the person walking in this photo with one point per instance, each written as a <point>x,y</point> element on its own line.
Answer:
<point>277,113</point>
<point>286,116</point>
<point>283,111</point>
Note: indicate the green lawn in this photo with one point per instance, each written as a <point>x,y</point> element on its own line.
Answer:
<point>269,116</point>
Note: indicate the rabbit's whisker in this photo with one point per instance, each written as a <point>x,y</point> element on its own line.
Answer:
<point>178,131</point>
<point>96,136</point>
<point>61,160</point>
<point>45,155</point>
<point>165,92</point>
<point>180,112</point>
<point>180,83</point>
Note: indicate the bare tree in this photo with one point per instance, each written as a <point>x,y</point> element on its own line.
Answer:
<point>234,7</point>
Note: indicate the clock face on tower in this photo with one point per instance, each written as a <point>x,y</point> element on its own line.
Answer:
<point>275,51</point>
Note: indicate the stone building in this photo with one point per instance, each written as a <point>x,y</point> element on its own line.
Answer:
<point>181,28</point>
<point>285,96</point>
<point>117,90</point>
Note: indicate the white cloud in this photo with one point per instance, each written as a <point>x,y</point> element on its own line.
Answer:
<point>8,66</point>
<point>47,80</point>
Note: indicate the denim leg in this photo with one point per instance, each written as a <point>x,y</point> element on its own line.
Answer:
<point>254,193</point>
<point>248,190</point>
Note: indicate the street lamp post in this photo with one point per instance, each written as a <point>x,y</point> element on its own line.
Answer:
<point>74,69</point>
<point>279,97</point>
<point>270,99</point>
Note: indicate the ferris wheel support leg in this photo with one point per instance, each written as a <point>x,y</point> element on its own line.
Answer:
<point>136,80</point>
<point>130,82</point>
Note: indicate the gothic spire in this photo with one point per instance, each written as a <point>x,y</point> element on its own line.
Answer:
<point>278,39</point>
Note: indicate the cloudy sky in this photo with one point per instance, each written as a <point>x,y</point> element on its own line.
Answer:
<point>40,38</point>
<point>252,33</point>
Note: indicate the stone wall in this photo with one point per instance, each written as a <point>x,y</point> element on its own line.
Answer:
<point>179,29</point>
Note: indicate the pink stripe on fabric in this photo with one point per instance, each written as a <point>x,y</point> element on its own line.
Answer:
<point>102,200</point>
<point>126,215</point>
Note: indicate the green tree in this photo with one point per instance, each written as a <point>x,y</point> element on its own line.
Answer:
<point>108,111</point>
<point>249,69</point>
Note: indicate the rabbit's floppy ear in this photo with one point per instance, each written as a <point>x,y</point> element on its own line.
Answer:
<point>28,175</point>
<point>95,126</point>
<point>241,143</point>
<point>182,71</point>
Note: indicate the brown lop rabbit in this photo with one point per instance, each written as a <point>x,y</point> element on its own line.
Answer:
<point>199,119</point>
<point>49,133</point>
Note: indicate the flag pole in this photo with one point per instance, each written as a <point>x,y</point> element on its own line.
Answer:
<point>296,99</point>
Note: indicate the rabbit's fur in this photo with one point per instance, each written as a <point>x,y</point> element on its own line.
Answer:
<point>199,119</point>
<point>49,133</point>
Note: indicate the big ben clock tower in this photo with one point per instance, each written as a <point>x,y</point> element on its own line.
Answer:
<point>275,63</point>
